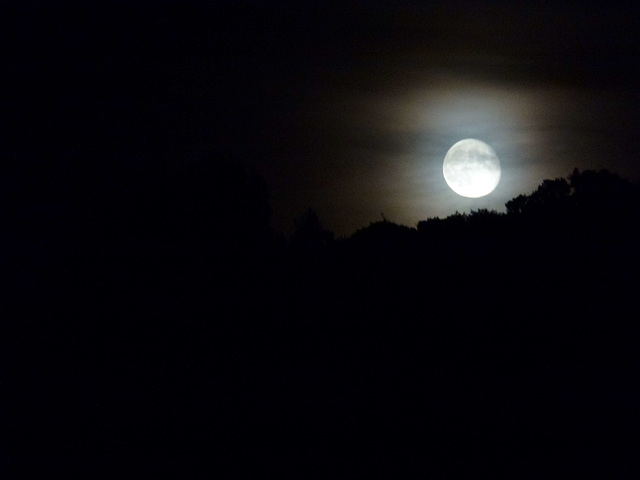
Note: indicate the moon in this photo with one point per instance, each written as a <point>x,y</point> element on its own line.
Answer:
<point>471,168</point>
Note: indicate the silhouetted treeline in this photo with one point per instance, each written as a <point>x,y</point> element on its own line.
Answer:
<point>483,333</point>
<point>161,315</point>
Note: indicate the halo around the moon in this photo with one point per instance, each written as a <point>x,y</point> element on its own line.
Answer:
<point>471,168</point>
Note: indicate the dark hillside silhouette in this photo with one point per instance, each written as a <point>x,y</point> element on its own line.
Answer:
<point>189,321</point>
<point>485,332</point>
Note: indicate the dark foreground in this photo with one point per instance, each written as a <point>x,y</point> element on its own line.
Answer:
<point>466,347</point>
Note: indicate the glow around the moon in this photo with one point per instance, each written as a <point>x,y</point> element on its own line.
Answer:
<point>471,168</point>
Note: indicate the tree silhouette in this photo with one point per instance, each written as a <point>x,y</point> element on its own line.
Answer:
<point>309,235</point>
<point>550,198</point>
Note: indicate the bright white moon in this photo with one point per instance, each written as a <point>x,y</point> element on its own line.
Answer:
<point>471,168</point>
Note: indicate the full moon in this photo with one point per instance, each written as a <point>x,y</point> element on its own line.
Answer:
<point>471,168</point>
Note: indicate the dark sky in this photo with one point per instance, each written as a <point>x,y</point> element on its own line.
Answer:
<point>346,107</point>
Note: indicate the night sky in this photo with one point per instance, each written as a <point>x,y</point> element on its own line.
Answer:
<point>345,107</point>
